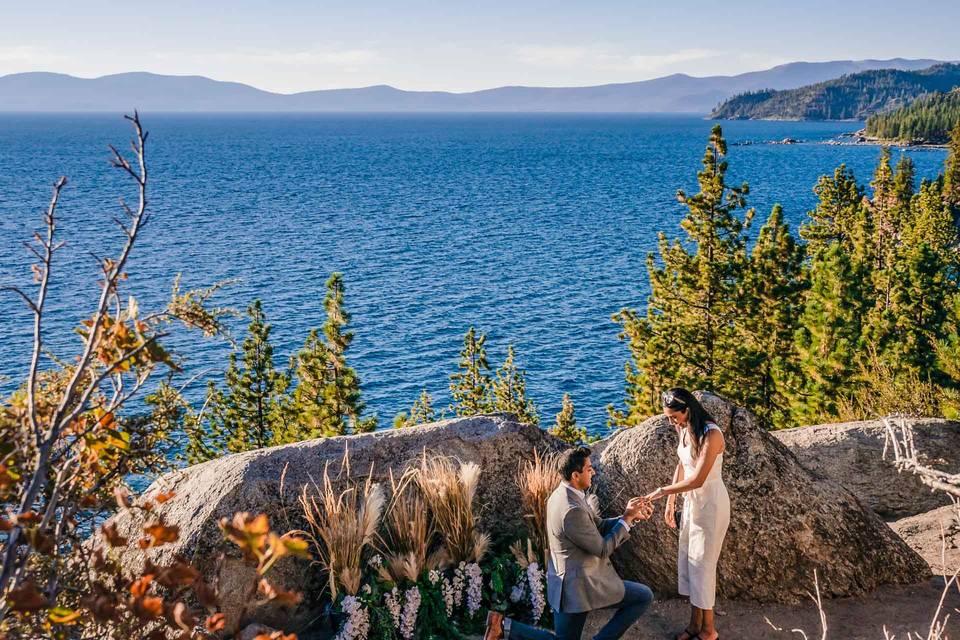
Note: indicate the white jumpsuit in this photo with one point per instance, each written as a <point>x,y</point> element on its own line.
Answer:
<point>706,515</point>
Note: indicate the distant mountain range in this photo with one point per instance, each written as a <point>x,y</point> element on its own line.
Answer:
<point>678,93</point>
<point>854,96</point>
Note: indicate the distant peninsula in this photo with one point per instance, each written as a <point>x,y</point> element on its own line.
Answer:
<point>678,93</point>
<point>927,120</point>
<point>855,96</point>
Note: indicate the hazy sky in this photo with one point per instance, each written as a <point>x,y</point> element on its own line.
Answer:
<point>292,46</point>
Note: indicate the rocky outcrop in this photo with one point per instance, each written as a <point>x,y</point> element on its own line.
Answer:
<point>251,482</point>
<point>852,455</point>
<point>935,535</point>
<point>786,522</point>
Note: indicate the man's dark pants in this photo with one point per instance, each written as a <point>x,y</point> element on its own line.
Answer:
<point>569,626</point>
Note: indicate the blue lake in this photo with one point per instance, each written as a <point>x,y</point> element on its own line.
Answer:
<point>532,228</point>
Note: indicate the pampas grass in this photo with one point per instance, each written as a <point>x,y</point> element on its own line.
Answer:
<point>449,492</point>
<point>342,525</point>
<point>536,480</point>
<point>407,529</point>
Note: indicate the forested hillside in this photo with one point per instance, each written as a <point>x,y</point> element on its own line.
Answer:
<point>855,96</point>
<point>928,119</point>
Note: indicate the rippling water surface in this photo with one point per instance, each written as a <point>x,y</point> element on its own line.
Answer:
<point>533,228</point>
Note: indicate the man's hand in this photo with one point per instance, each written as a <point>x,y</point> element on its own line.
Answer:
<point>638,509</point>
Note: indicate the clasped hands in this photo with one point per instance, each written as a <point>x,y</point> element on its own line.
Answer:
<point>639,508</point>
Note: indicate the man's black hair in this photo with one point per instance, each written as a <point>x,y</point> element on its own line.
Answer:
<point>572,460</point>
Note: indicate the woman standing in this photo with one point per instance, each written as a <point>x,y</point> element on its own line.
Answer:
<point>706,508</point>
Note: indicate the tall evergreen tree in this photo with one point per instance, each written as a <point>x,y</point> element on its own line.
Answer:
<point>904,180</point>
<point>839,213</point>
<point>509,391</point>
<point>470,385</point>
<point>566,424</point>
<point>687,335</point>
<point>923,281</point>
<point>904,187</point>
<point>420,413</point>
<point>951,182</point>
<point>342,408</point>
<point>311,371</point>
<point>252,407</point>
<point>931,221</point>
<point>829,338</point>
<point>771,303</point>
<point>917,313</point>
<point>884,211</point>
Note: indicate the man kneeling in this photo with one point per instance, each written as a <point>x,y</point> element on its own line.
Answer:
<point>580,576</point>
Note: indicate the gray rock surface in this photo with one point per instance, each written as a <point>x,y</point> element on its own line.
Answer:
<point>786,522</point>
<point>250,481</point>
<point>935,535</point>
<point>852,454</point>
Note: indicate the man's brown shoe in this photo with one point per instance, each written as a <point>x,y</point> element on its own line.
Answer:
<point>494,626</point>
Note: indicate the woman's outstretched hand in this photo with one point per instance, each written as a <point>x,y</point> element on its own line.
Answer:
<point>669,514</point>
<point>656,494</point>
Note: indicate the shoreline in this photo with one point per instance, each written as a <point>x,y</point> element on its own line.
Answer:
<point>863,139</point>
<point>852,139</point>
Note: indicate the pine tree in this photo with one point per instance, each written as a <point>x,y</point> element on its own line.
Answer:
<point>252,407</point>
<point>470,386</point>
<point>566,426</point>
<point>829,338</point>
<point>687,336</point>
<point>771,303</point>
<point>918,312</point>
<point>904,181</point>
<point>509,391</point>
<point>951,183</point>
<point>420,413</point>
<point>311,371</point>
<point>931,221</point>
<point>924,279</point>
<point>884,212</point>
<point>838,213</point>
<point>342,408</point>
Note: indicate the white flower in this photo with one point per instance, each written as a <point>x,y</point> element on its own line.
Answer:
<point>537,601</point>
<point>457,585</point>
<point>392,598</point>
<point>434,576</point>
<point>474,588</point>
<point>357,624</point>
<point>376,561</point>
<point>367,590</point>
<point>448,596</point>
<point>517,593</point>
<point>411,607</point>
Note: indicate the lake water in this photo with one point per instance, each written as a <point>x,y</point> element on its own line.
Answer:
<point>532,228</point>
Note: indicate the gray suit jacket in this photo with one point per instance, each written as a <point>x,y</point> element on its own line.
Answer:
<point>580,576</point>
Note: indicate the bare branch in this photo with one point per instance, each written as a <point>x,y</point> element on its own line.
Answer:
<point>899,441</point>
<point>60,416</point>
<point>20,293</point>
<point>29,247</point>
<point>122,226</point>
<point>50,219</point>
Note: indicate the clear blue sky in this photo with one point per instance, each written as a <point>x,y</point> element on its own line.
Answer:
<point>299,45</point>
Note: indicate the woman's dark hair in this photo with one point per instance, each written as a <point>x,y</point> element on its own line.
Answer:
<point>572,460</point>
<point>679,399</point>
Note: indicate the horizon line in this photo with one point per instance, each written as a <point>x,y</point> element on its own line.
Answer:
<point>460,93</point>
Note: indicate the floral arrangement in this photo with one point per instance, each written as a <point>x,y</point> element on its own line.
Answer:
<point>410,563</point>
